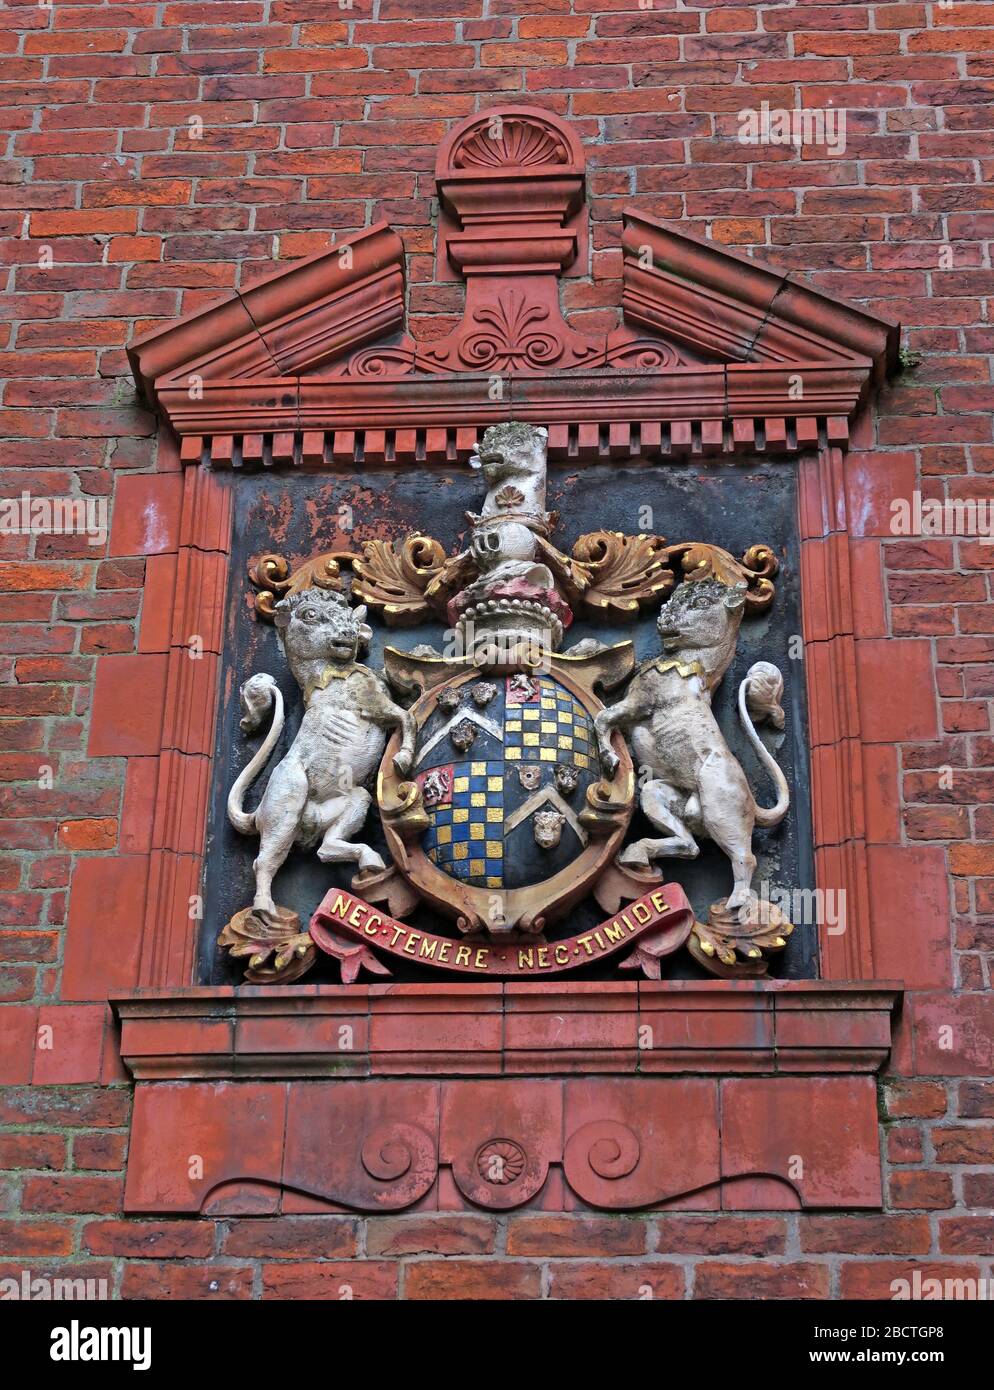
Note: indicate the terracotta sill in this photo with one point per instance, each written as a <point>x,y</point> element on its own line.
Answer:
<point>632,1028</point>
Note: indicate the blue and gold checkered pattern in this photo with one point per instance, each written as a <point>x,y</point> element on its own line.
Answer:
<point>554,728</point>
<point>466,838</point>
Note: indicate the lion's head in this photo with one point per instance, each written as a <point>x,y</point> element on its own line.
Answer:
<point>319,625</point>
<point>701,613</point>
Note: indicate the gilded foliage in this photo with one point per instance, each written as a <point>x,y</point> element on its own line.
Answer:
<point>274,579</point>
<point>392,576</point>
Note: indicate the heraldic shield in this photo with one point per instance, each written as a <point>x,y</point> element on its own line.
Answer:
<point>505,819</point>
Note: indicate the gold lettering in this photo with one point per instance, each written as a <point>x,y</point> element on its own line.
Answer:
<point>584,941</point>
<point>638,909</point>
<point>355,919</point>
<point>543,957</point>
<point>613,932</point>
<point>372,926</point>
<point>428,944</point>
<point>396,933</point>
<point>462,955</point>
<point>443,950</point>
<point>564,958</point>
<point>599,939</point>
<point>628,924</point>
<point>340,906</point>
<point>481,958</point>
<point>526,958</point>
<point>658,901</point>
<point>411,942</point>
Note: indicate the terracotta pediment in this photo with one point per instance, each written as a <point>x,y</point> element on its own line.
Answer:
<point>714,351</point>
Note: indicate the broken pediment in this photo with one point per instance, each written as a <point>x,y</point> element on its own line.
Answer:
<point>714,351</point>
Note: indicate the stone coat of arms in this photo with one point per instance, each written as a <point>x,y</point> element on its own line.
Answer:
<point>505,765</point>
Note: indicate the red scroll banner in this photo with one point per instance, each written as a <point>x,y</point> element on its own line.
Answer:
<point>658,923</point>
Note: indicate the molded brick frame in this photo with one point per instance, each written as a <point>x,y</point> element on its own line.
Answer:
<point>158,708</point>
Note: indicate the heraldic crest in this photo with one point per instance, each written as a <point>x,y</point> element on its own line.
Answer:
<point>505,766</point>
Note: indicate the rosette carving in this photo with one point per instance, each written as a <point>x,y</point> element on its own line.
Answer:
<point>392,576</point>
<point>501,1161</point>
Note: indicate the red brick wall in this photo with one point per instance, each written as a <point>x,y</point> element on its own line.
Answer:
<point>318,122</point>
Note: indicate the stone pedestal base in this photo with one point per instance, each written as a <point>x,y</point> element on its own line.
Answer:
<point>706,1097</point>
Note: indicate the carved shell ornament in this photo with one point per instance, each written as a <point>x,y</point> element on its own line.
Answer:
<point>504,784</point>
<point>510,142</point>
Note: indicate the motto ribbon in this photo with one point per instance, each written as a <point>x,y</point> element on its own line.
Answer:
<point>658,923</point>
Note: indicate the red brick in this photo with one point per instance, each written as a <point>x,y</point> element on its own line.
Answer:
<point>574,1235</point>
<point>886,1279</point>
<point>865,1235</point>
<point>713,1279</point>
<point>615,1279</point>
<point>920,1191</point>
<point>150,1239</point>
<point>88,834</point>
<point>721,1235</point>
<point>205,1283</point>
<point>99,1151</point>
<point>35,1237</point>
<point>32,1151</point>
<point>479,1280</point>
<point>19,578</point>
<point>289,1237</point>
<point>373,1279</point>
<point>976,1100</point>
<point>964,1144</point>
<point>978,1189</point>
<point>430,1235</point>
<point>915,1098</point>
<point>72,1194</point>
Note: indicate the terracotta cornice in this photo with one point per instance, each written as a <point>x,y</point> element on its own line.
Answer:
<point>704,410</point>
<point>713,1027</point>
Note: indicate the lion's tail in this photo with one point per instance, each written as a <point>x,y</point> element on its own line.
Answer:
<point>759,698</point>
<point>259,694</point>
